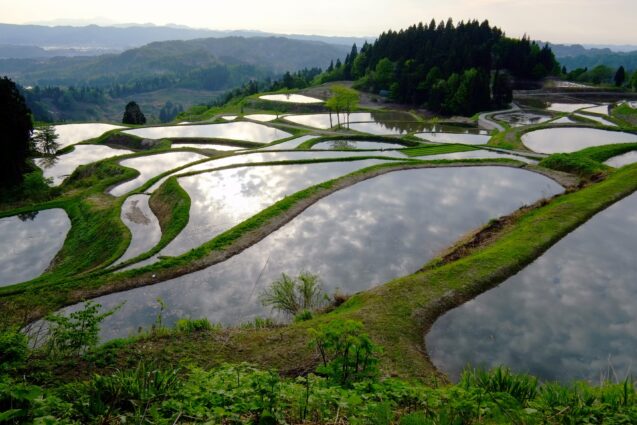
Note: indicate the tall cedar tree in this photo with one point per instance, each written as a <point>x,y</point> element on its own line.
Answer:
<point>133,114</point>
<point>441,64</point>
<point>620,76</point>
<point>15,135</point>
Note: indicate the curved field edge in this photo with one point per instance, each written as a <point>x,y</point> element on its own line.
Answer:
<point>32,300</point>
<point>397,314</point>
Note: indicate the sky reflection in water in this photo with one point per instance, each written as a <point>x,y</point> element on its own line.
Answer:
<point>354,239</point>
<point>568,315</point>
<point>29,242</point>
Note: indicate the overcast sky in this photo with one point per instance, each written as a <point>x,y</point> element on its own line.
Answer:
<point>560,21</point>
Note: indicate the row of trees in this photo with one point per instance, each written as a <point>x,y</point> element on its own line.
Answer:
<point>602,74</point>
<point>449,68</point>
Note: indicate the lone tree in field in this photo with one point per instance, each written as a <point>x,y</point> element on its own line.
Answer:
<point>620,76</point>
<point>133,114</point>
<point>45,140</point>
<point>344,100</point>
<point>15,137</point>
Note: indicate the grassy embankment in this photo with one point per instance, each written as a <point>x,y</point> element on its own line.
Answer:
<point>32,299</point>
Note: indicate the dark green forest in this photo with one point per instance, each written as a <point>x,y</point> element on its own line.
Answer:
<point>449,68</point>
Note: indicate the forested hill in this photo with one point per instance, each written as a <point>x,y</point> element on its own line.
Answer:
<point>577,56</point>
<point>211,63</point>
<point>461,68</point>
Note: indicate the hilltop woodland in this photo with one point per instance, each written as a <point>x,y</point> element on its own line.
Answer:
<point>450,69</point>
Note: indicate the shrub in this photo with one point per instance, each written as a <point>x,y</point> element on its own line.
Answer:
<point>294,295</point>
<point>13,349</point>
<point>194,325</point>
<point>76,333</point>
<point>347,354</point>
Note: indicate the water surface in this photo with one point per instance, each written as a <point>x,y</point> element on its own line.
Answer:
<point>354,239</point>
<point>142,223</point>
<point>290,144</point>
<point>572,139</point>
<point>69,134</point>
<point>569,107</point>
<point>325,121</point>
<point>151,166</point>
<point>261,117</point>
<point>621,160</point>
<point>602,109</point>
<point>222,199</point>
<point>569,315</point>
<point>477,154</point>
<point>213,146</point>
<point>29,243</point>
<point>463,138</point>
<point>522,118</point>
<point>356,144</point>
<point>248,131</point>
<point>291,98</point>
<point>274,156</point>
<point>597,119</point>
<point>60,167</point>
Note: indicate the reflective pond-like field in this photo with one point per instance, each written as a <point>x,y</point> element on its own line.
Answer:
<point>325,121</point>
<point>213,146</point>
<point>477,154</point>
<point>69,134</point>
<point>522,118</point>
<point>143,225</point>
<point>569,107</point>
<point>151,166</point>
<point>356,144</point>
<point>60,167</point>
<point>354,239</point>
<point>248,131</point>
<point>621,160</point>
<point>600,120</point>
<point>290,98</point>
<point>571,139</point>
<point>569,315</point>
<point>463,138</point>
<point>290,144</point>
<point>29,243</point>
<point>273,156</point>
<point>223,199</point>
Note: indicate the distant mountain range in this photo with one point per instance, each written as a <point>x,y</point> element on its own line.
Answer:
<point>255,57</point>
<point>577,56</point>
<point>38,41</point>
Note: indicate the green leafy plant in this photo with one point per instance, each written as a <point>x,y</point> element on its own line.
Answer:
<point>13,349</point>
<point>295,295</point>
<point>347,354</point>
<point>76,333</point>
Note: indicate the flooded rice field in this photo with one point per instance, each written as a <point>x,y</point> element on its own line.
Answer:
<point>354,239</point>
<point>572,139</point>
<point>29,243</point>
<point>570,315</point>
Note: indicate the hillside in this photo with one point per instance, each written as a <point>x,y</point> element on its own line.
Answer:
<point>578,56</point>
<point>261,55</point>
<point>40,41</point>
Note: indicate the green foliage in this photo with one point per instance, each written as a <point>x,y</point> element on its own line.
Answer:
<point>133,115</point>
<point>448,67</point>
<point>45,139</point>
<point>77,333</point>
<point>620,76</point>
<point>347,354</point>
<point>194,325</point>
<point>575,164</point>
<point>521,387</point>
<point>15,137</point>
<point>343,99</point>
<point>243,394</point>
<point>294,295</point>
<point>14,349</point>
